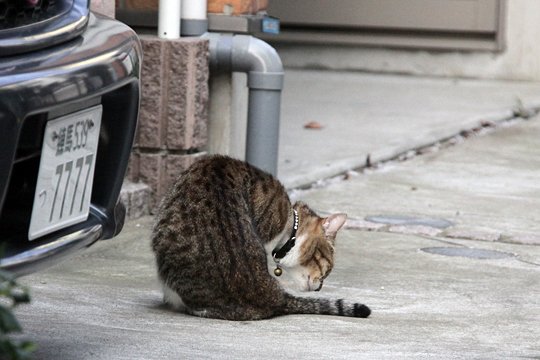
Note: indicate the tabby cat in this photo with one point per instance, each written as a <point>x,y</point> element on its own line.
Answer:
<point>225,237</point>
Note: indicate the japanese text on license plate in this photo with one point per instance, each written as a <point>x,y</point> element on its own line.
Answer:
<point>66,172</point>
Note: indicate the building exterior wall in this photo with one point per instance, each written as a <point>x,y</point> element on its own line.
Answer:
<point>230,7</point>
<point>519,59</point>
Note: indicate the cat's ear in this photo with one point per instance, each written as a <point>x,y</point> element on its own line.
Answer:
<point>333,223</point>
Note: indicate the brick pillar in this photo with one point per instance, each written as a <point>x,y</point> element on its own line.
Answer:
<point>229,7</point>
<point>173,117</point>
<point>236,7</point>
<point>104,7</point>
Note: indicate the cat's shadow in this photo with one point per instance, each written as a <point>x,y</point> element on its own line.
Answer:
<point>161,306</point>
<point>156,303</point>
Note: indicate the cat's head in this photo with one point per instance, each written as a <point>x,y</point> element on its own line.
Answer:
<point>311,260</point>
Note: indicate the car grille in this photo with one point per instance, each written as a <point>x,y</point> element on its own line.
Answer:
<point>17,13</point>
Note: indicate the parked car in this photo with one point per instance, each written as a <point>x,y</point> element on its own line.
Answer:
<point>69,100</point>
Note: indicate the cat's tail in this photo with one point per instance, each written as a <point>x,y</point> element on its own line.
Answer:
<point>322,306</point>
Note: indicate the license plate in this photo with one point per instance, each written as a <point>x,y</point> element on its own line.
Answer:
<point>66,172</point>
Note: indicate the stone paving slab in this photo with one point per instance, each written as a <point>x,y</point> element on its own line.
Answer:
<point>381,116</point>
<point>105,304</point>
<point>487,186</point>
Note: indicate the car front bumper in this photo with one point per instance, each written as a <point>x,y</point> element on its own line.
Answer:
<point>102,66</point>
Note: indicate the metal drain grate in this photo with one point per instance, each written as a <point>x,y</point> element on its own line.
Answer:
<point>482,254</point>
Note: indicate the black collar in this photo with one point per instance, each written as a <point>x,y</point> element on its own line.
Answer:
<point>281,252</point>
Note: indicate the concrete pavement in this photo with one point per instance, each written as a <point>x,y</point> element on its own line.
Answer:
<point>486,188</point>
<point>105,304</point>
<point>382,116</point>
<point>442,246</point>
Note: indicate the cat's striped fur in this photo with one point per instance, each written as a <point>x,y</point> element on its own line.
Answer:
<point>212,236</point>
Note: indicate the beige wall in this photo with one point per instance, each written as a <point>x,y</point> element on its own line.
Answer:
<point>520,60</point>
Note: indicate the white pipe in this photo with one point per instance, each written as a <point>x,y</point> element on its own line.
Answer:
<point>194,22</point>
<point>194,9</point>
<point>169,19</point>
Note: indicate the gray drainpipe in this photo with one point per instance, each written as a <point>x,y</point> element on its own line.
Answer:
<point>262,64</point>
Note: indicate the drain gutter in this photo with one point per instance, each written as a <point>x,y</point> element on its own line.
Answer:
<point>247,54</point>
